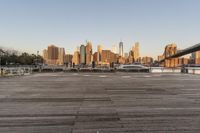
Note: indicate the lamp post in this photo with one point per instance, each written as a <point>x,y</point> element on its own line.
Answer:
<point>1,69</point>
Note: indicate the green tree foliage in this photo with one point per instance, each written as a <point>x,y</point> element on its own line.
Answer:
<point>20,59</point>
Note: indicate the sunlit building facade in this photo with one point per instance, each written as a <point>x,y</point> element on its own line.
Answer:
<point>52,55</point>
<point>88,53</point>
<point>121,49</point>
<point>45,55</point>
<point>147,60</point>
<point>197,57</point>
<point>82,55</point>
<point>99,53</point>
<point>76,58</point>
<point>108,57</point>
<point>68,59</point>
<point>61,56</point>
<point>136,51</point>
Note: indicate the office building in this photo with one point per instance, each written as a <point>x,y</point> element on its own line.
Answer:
<point>136,51</point>
<point>147,60</point>
<point>45,56</point>
<point>61,56</point>
<point>114,49</point>
<point>82,55</point>
<point>68,59</point>
<point>89,53</point>
<point>99,51</point>
<point>121,50</point>
<point>52,54</point>
<point>95,57</point>
<point>108,57</point>
<point>76,58</point>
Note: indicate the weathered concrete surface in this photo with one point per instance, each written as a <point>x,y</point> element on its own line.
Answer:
<point>108,103</point>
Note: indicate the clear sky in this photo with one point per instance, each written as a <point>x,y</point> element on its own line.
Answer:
<point>31,25</point>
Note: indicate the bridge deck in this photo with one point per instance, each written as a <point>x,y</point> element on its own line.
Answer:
<point>108,103</point>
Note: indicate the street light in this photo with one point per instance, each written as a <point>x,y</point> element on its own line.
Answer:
<point>1,51</point>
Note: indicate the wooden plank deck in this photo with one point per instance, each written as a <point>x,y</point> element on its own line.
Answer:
<point>100,102</point>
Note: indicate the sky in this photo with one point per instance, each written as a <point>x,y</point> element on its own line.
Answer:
<point>31,25</point>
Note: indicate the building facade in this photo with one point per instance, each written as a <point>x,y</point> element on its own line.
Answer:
<point>136,51</point>
<point>82,55</point>
<point>121,50</point>
<point>76,58</point>
<point>99,53</point>
<point>147,60</point>
<point>197,57</point>
<point>108,57</point>
<point>89,53</point>
<point>61,56</point>
<point>52,55</point>
<point>45,55</point>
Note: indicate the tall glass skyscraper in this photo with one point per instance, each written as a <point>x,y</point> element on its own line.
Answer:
<point>82,54</point>
<point>121,50</point>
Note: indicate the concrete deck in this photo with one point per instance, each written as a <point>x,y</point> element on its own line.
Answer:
<point>100,102</point>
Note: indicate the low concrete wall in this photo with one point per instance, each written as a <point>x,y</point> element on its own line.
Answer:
<point>16,71</point>
<point>164,70</point>
<point>193,70</point>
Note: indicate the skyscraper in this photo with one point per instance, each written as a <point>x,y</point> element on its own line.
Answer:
<point>68,58</point>
<point>52,54</point>
<point>99,53</point>
<point>82,55</point>
<point>121,50</point>
<point>45,55</point>
<point>114,49</point>
<point>61,56</point>
<point>89,53</point>
<point>126,55</point>
<point>136,51</point>
<point>108,57</point>
<point>76,58</point>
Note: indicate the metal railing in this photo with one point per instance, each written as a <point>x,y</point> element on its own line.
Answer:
<point>15,71</point>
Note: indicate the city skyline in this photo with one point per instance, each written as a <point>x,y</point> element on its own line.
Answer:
<point>30,26</point>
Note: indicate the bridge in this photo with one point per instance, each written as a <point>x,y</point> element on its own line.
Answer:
<point>186,51</point>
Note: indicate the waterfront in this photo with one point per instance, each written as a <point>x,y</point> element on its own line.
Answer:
<point>105,102</point>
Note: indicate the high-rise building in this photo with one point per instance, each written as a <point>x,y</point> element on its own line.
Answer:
<point>45,55</point>
<point>121,50</point>
<point>95,56</point>
<point>82,55</point>
<point>126,55</point>
<point>114,49</point>
<point>52,54</point>
<point>68,58</point>
<point>88,53</point>
<point>108,57</point>
<point>99,51</point>
<point>136,51</point>
<point>76,58</point>
<point>61,56</point>
<point>147,60</point>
